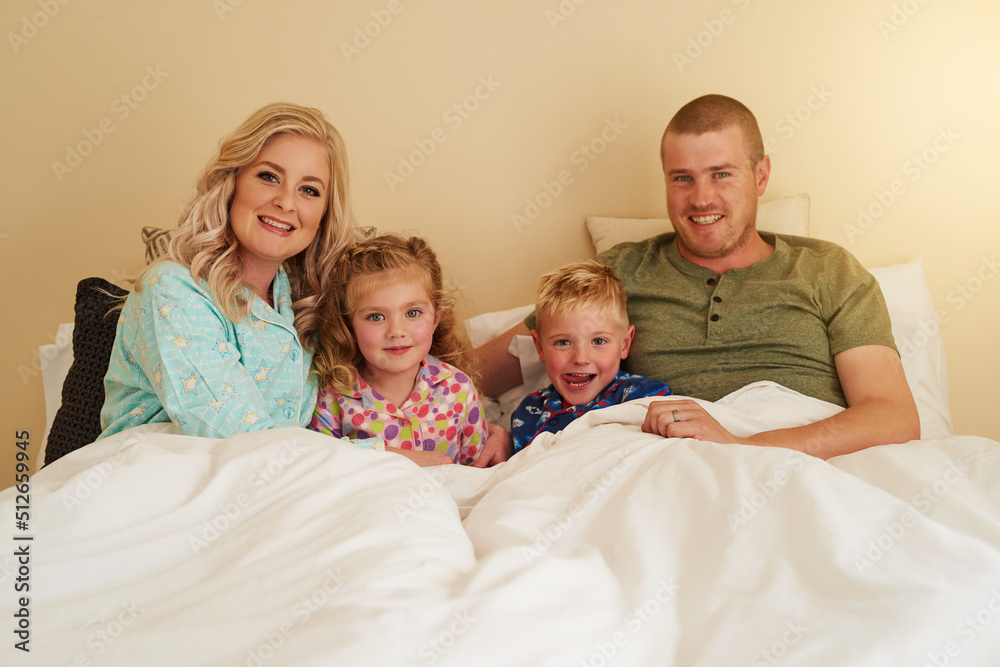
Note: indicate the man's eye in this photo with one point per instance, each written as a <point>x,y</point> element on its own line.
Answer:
<point>722,174</point>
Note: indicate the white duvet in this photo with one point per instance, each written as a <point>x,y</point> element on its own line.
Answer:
<point>599,546</point>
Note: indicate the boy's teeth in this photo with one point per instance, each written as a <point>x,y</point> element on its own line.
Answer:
<point>705,219</point>
<point>274,223</point>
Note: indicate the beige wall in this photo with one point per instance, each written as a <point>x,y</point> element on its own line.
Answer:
<point>851,95</point>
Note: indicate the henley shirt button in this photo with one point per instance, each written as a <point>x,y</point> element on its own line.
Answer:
<point>717,299</point>
<point>711,281</point>
<point>714,317</point>
<point>294,356</point>
<point>289,413</point>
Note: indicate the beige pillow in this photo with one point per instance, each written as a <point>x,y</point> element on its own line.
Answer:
<point>788,215</point>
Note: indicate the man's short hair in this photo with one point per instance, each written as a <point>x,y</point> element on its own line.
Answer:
<point>583,284</point>
<point>714,113</point>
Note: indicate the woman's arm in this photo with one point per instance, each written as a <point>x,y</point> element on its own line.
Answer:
<point>175,352</point>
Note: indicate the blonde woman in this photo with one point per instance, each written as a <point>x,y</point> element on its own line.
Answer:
<point>218,338</point>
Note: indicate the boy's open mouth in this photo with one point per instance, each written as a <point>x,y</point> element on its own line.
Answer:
<point>577,380</point>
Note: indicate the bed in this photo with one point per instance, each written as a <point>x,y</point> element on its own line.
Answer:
<point>596,546</point>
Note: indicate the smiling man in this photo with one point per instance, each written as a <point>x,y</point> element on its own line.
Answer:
<point>718,305</point>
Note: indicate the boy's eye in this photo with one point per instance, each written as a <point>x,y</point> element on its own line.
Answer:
<point>600,341</point>
<point>560,343</point>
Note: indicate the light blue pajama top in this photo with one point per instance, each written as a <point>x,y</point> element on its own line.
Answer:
<point>177,358</point>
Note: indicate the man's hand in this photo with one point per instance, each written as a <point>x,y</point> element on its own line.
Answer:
<point>690,421</point>
<point>497,448</point>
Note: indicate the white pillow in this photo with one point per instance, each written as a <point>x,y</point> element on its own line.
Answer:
<point>914,325</point>
<point>918,339</point>
<point>788,215</point>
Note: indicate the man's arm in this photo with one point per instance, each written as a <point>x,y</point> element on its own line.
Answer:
<point>499,370</point>
<point>880,410</point>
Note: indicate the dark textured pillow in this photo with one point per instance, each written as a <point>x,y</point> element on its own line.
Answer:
<point>78,420</point>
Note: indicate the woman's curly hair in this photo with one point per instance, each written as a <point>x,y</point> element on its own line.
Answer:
<point>205,242</point>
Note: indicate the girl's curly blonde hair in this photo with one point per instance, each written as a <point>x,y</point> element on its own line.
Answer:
<point>364,268</point>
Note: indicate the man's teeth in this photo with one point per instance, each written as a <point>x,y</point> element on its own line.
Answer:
<point>705,219</point>
<point>274,223</point>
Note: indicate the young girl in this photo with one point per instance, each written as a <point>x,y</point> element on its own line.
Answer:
<point>386,348</point>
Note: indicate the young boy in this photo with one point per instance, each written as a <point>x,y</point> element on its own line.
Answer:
<point>582,334</point>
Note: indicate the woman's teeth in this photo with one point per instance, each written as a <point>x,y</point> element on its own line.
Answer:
<point>274,223</point>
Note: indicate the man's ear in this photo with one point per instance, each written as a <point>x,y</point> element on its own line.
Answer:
<point>538,344</point>
<point>763,174</point>
<point>627,340</point>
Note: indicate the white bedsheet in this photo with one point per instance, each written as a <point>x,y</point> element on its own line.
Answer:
<point>599,546</point>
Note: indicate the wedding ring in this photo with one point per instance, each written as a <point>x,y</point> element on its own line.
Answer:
<point>677,416</point>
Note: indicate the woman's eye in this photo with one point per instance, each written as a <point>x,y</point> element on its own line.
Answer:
<point>310,191</point>
<point>267,176</point>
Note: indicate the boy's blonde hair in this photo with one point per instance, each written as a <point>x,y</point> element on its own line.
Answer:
<point>584,284</point>
<point>371,265</point>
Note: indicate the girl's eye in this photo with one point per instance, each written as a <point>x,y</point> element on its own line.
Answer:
<point>375,317</point>
<point>413,312</point>
<point>267,176</point>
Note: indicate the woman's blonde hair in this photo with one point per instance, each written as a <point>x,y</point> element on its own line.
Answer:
<point>366,267</point>
<point>205,242</point>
